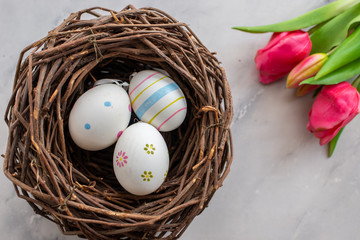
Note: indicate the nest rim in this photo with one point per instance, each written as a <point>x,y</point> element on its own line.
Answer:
<point>59,68</point>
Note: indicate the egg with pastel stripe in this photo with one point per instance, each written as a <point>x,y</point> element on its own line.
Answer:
<point>157,100</point>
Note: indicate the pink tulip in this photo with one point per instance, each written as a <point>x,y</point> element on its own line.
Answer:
<point>283,52</point>
<point>334,107</point>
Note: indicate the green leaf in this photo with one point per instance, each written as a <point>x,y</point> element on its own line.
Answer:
<point>333,142</point>
<point>308,19</point>
<point>316,27</point>
<point>342,74</point>
<point>346,52</point>
<point>334,31</point>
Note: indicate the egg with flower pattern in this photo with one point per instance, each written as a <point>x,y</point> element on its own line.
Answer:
<point>141,159</point>
<point>157,100</point>
<point>99,116</point>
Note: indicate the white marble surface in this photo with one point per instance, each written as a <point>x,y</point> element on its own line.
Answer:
<point>281,186</point>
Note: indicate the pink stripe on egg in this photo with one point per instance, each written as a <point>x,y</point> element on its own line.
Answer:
<point>171,117</point>
<point>118,135</point>
<point>142,82</point>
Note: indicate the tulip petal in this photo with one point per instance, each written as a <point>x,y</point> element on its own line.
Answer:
<point>305,69</point>
<point>308,19</point>
<point>330,110</point>
<point>281,54</point>
<point>266,79</point>
<point>305,89</point>
<point>326,136</point>
<point>334,107</point>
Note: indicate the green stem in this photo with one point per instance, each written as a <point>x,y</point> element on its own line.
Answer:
<point>356,83</point>
<point>333,142</point>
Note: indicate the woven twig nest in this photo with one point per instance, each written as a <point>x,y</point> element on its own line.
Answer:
<point>77,189</point>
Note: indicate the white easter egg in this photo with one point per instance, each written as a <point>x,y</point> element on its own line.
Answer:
<point>99,116</point>
<point>157,100</point>
<point>141,159</point>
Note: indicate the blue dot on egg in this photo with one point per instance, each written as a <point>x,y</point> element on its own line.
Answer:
<point>87,126</point>
<point>107,104</point>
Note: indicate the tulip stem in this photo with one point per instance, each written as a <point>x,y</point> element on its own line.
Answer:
<point>331,51</point>
<point>333,142</point>
<point>356,83</point>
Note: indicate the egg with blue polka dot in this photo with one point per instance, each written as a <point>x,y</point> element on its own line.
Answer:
<point>156,99</point>
<point>99,116</point>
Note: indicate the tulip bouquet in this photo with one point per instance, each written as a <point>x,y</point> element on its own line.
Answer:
<point>319,52</point>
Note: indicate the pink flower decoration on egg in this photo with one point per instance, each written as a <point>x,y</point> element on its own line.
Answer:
<point>121,159</point>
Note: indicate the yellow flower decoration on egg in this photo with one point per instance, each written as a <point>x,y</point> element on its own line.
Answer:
<point>149,149</point>
<point>146,176</point>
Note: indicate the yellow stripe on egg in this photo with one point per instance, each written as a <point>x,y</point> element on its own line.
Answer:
<point>165,108</point>
<point>146,89</point>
